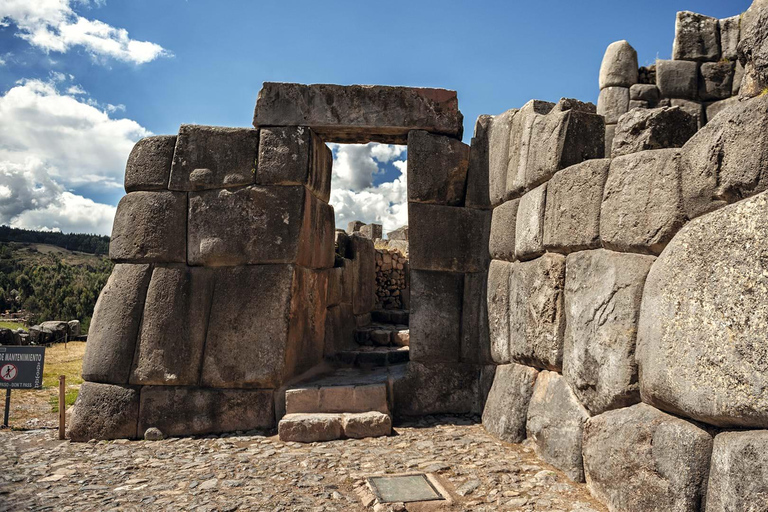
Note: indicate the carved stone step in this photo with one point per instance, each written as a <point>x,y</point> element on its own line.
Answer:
<point>310,428</point>
<point>371,357</point>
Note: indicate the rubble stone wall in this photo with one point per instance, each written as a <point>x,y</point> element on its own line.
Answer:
<point>392,279</point>
<point>626,300</point>
<point>703,77</point>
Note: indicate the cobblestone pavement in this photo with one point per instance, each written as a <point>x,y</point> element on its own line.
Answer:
<point>255,472</point>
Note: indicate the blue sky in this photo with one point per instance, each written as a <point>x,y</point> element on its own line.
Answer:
<point>76,89</point>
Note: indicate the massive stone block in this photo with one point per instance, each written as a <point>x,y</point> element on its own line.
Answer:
<point>520,144</point>
<point>730,33</point>
<point>713,109</point>
<point>637,458</point>
<point>645,92</point>
<point>266,325</point>
<point>448,238</point>
<point>753,49</point>
<point>149,227</point>
<point>603,290</point>
<point>115,325</point>
<point>568,134</point>
<point>612,103</point>
<point>498,310</point>
<point>503,225</point>
<point>173,326</point>
<point>499,131</point>
<point>556,424</point>
<point>738,476</point>
<point>104,411</point>
<point>642,208</point>
<point>529,224</point>
<point>726,160</point>
<point>438,388</point>
<point>478,191</point>
<point>677,79</point>
<point>437,168</point>
<point>506,409</point>
<point>149,164</point>
<point>619,66</point>
<point>658,128</point>
<point>295,155</point>
<point>536,316</point>
<point>339,329</point>
<point>702,347</point>
<point>572,212</point>
<point>359,113</point>
<point>475,339</point>
<point>184,411</point>
<point>716,80</point>
<point>256,225</point>
<point>610,133</point>
<point>692,108</point>
<point>213,157</point>
<point>363,273</point>
<point>697,37</point>
<point>435,319</point>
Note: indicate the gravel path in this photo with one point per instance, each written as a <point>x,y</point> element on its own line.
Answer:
<point>255,472</point>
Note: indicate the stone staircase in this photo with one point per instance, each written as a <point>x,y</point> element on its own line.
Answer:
<point>353,398</point>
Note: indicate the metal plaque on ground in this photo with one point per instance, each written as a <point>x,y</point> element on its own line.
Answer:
<point>21,367</point>
<point>403,489</point>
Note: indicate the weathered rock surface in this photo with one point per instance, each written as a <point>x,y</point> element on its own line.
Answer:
<point>178,411</point>
<point>726,160</point>
<point>572,213</point>
<point>499,131</point>
<point>701,345</point>
<point>266,325</point>
<point>677,78</point>
<point>714,108</point>
<point>149,164</point>
<point>693,108</point>
<point>610,133</point>
<point>506,408</point>
<point>603,290</point>
<point>503,226</point>
<point>438,169</point>
<point>716,81</point>
<point>475,339</point>
<point>359,113</point>
<point>478,187</point>
<point>696,37</point>
<point>498,310</point>
<point>173,326</point>
<point>448,238</point>
<point>753,49</point>
<point>366,424</point>
<point>537,319</point>
<point>529,224</point>
<point>115,325</point>
<point>214,157</point>
<point>645,92</point>
<point>438,388</point>
<point>730,33</point>
<point>257,225</point>
<point>619,66</point>
<point>659,128</point>
<point>738,476</point>
<point>521,132</point>
<point>642,208</point>
<point>104,411</point>
<point>612,103</point>
<point>435,319</point>
<point>363,272</point>
<point>294,155</point>
<point>339,328</point>
<point>149,228</point>
<point>556,424</point>
<point>336,397</point>
<point>637,458</point>
<point>569,133</point>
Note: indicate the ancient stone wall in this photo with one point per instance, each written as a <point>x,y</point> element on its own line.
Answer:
<point>626,304</point>
<point>702,78</point>
<point>392,277</point>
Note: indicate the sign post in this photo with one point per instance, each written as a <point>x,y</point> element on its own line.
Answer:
<point>20,368</point>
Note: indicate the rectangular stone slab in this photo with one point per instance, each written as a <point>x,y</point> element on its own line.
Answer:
<point>435,318</point>
<point>359,113</point>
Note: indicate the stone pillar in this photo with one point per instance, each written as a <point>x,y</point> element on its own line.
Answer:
<point>618,73</point>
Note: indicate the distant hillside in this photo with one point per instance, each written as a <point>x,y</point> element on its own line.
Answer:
<point>50,282</point>
<point>93,244</point>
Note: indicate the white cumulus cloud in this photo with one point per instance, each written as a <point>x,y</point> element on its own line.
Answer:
<point>353,194</point>
<point>51,142</point>
<point>52,25</point>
